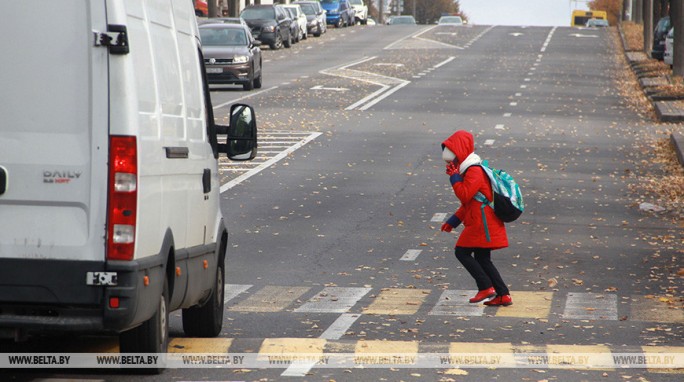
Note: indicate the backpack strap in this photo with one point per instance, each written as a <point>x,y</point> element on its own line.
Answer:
<point>482,199</point>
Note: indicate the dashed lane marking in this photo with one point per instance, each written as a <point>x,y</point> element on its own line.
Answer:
<point>411,255</point>
<point>438,217</point>
<point>230,291</point>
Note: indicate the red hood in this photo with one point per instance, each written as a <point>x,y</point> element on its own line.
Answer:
<point>461,143</point>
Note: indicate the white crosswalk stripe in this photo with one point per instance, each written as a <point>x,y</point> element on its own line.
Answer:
<point>591,306</point>
<point>334,300</point>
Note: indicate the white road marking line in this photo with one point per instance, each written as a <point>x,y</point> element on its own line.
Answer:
<point>230,291</point>
<point>523,86</point>
<point>411,254</point>
<point>333,300</point>
<point>518,94</point>
<point>548,39</point>
<point>298,368</point>
<point>513,104</point>
<point>489,142</point>
<point>506,115</point>
<point>591,306</point>
<point>500,127</point>
<point>387,94</point>
<point>438,217</point>
<point>245,97</point>
<point>448,60</point>
<point>340,326</point>
<point>269,163</point>
<point>455,303</point>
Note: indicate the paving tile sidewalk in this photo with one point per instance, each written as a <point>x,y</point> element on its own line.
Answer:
<point>666,110</point>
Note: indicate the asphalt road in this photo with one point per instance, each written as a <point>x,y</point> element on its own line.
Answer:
<point>335,242</point>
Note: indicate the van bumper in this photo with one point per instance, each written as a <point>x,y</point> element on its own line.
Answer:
<point>52,295</point>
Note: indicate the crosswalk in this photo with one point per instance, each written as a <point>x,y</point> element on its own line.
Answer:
<point>273,146</point>
<point>409,301</point>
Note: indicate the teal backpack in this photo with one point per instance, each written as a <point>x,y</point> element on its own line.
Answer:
<point>508,201</point>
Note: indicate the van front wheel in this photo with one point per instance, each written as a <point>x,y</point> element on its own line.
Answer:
<point>207,320</point>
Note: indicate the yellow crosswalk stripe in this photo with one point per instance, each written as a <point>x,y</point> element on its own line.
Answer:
<point>527,305</point>
<point>655,309</point>
<point>397,301</point>
<point>270,299</point>
<point>200,345</point>
<point>659,358</point>
<point>580,356</point>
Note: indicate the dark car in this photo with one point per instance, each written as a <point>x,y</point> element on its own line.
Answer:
<point>269,24</point>
<point>295,31</point>
<point>339,12</point>
<point>231,55</point>
<point>659,36</point>
<point>315,17</point>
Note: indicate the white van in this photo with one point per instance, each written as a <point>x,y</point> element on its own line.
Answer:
<point>109,183</point>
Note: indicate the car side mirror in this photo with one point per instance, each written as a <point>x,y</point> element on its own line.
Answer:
<point>241,140</point>
<point>256,43</point>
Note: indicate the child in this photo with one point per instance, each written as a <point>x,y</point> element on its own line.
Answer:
<point>474,245</point>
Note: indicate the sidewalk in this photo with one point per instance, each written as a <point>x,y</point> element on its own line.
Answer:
<point>668,109</point>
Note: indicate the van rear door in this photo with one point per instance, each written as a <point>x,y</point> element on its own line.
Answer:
<point>54,135</point>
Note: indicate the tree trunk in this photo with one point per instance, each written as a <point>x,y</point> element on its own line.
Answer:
<point>648,26</point>
<point>677,13</point>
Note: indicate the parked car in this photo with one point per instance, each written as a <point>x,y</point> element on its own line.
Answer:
<point>223,20</point>
<point>669,48</point>
<point>295,27</point>
<point>361,11</point>
<point>315,17</point>
<point>338,12</point>
<point>659,35</point>
<point>269,24</point>
<point>402,20</point>
<point>231,55</point>
<point>450,20</point>
<point>298,14</point>
<point>597,23</point>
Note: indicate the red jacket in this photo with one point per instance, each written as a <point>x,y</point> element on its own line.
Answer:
<point>474,180</point>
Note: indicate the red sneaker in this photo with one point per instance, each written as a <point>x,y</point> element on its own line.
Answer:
<point>483,295</point>
<point>504,300</point>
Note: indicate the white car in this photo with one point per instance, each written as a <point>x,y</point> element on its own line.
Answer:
<point>450,20</point>
<point>669,47</point>
<point>299,17</point>
<point>361,11</point>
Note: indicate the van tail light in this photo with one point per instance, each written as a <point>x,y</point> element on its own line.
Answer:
<point>122,197</point>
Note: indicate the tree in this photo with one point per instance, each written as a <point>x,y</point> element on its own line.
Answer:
<point>612,7</point>
<point>429,11</point>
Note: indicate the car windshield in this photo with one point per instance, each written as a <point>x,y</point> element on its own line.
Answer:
<point>329,1</point>
<point>223,37</point>
<point>451,20</point>
<point>403,20</point>
<point>356,2</point>
<point>308,9</point>
<point>258,14</point>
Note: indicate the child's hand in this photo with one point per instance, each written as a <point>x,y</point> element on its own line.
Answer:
<point>451,169</point>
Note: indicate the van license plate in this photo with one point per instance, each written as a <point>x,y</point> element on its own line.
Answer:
<point>214,70</point>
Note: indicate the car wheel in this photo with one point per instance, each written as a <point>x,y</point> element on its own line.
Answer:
<point>305,34</point>
<point>258,81</point>
<point>319,31</point>
<point>339,23</point>
<point>278,42</point>
<point>207,320</point>
<point>249,85</point>
<point>288,43</point>
<point>152,336</point>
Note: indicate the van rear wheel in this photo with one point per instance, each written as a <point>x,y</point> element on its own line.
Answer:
<point>207,320</point>
<point>152,336</point>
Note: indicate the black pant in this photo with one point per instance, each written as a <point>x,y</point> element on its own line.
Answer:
<point>482,269</point>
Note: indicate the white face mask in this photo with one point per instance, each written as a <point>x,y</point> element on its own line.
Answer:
<point>447,155</point>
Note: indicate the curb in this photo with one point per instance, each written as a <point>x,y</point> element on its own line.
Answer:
<point>667,110</point>
<point>677,141</point>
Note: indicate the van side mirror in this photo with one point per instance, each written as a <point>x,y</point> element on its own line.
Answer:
<point>241,141</point>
